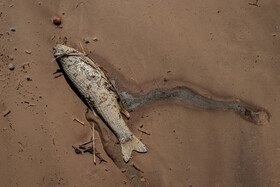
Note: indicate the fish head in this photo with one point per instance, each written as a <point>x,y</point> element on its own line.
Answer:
<point>60,50</point>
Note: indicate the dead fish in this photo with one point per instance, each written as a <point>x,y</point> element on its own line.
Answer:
<point>100,95</point>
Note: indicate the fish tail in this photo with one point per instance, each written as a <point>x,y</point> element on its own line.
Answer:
<point>133,144</point>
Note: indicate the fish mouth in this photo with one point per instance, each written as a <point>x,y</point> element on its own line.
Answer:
<point>60,50</point>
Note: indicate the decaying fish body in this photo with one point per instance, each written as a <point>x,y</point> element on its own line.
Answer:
<point>98,92</point>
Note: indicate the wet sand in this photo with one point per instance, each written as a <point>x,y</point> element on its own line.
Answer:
<point>222,50</point>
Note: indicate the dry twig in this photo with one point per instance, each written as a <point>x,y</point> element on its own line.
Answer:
<point>6,113</point>
<point>137,168</point>
<point>82,48</point>
<point>79,121</point>
<point>144,132</point>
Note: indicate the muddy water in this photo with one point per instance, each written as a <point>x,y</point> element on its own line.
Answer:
<point>254,114</point>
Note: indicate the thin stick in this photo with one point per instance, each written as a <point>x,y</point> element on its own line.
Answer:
<point>93,146</point>
<point>86,143</point>
<point>32,105</point>
<point>79,121</point>
<point>144,132</point>
<point>137,168</point>
<point>93,142</point>
<point>6,113</point>
<point>82,48</point>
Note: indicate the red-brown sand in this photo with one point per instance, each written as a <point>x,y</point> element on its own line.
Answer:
<point>228,48</point>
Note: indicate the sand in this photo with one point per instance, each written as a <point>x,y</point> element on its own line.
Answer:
<point>221,49</point>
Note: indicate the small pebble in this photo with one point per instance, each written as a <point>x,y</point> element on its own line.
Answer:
<point>95,39</point>
<point>28,78</point>
<point>57,20</point>
<point>28,52</point>
<point>11,67</point>
<point>13,29</point>
<point>142,180</point>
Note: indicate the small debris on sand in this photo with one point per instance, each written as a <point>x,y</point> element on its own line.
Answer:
<point>86,143</point>
<point>11,67</point>
<point>64,40</point>
<point>255,3</point>
<point>95,39</point>
<point>144,132</point>
<point>28,78</point>
<point>21,147</point>
<point>57,20</point>
<point>13,29</point>
<point>11,57</point>
<point>89,149</point>
<point>24,65</point>
<point>28,52</point>
<point>142,180</point>
<point>77,151</point>
<point>136,167</point>
<point>79,121</point>
<point>7,112</point>
<point>19,85</point>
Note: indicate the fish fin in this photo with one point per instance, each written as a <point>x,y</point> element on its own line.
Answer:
<point>133,144</point>
<point>125,112</point>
